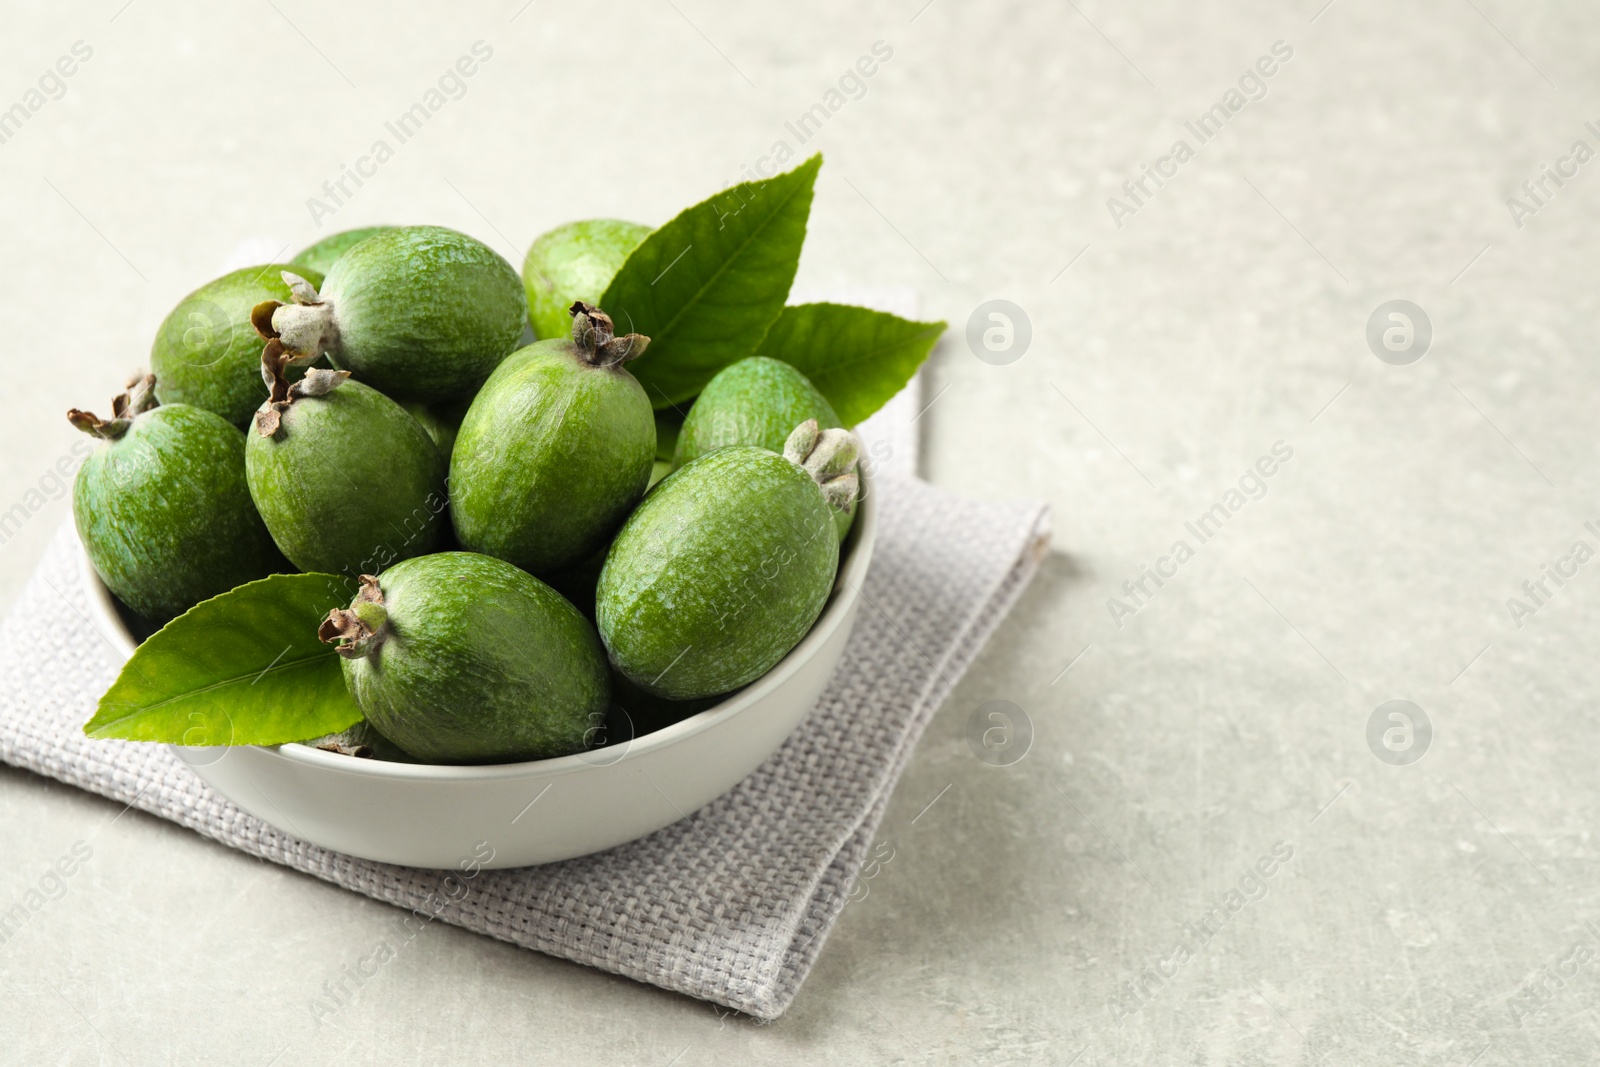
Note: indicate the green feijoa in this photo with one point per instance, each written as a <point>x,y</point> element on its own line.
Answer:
<point>461,658</point>
<point>555,450</point>
<point>163,509</point>
<point>756,401</point>
<point>322,255</point>
<point>571,263</point>
<point>418,312</point>
<point>347,481</point>
<point>207,354</point>
<point>719,572</point>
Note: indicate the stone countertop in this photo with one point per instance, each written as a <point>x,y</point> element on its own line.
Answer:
<point>1221,847</point>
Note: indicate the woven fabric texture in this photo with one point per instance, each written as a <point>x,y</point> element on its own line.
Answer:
<point>730,905</point>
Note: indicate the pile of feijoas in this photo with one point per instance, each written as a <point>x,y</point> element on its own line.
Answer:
<point>397,498</point>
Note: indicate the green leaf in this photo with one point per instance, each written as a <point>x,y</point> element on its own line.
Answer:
<point>243,668</point>
<point>706,286</point>
<point>856,357</point>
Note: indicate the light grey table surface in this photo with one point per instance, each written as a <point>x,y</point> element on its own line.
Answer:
<point>1429,913</point>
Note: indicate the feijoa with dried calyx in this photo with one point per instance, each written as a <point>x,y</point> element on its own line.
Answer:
<point>206,352</point>
<point>417,312</point>
<point>462,658</point>
<point>555,450</point>
<point>321,256</point>
<point>830,457</point>
<point>756,401</point>
<point>721,570</point>
<point>163,510</point>
<point>572,263</point>
<point>346,480</point>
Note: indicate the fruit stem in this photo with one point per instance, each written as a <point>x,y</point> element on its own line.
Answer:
<point>275,361</point>
<point>595,336</point>
<point>359,629</point>
<point>137,397</point>
<point>829,456</point>
<point>306,328</point>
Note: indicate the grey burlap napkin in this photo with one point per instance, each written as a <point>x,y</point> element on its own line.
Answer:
<point>730,905</point>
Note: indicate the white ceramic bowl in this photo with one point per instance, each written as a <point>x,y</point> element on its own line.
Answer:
<point>427,815</point>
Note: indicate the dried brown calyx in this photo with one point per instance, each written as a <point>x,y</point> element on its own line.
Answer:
<point>360,628</point>
<point>359,751</point>
<point>305,329</point>
<point>281,393</point>
<point>595,336</point>
<point>136,398</point>
<point>829,456</point>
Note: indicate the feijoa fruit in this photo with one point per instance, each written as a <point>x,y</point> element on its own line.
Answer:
<point>722,569</point>
<point>572,263</point>
<point>417,312</point>
<point>346,480</point>
<point>163,509</point>
<point>555,449</point>
<point>462,658</point>
<point>206,352</point>
<point>756,401</point>
<point>322,255</point>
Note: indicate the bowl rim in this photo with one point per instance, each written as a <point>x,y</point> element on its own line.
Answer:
<point>857,557</point>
